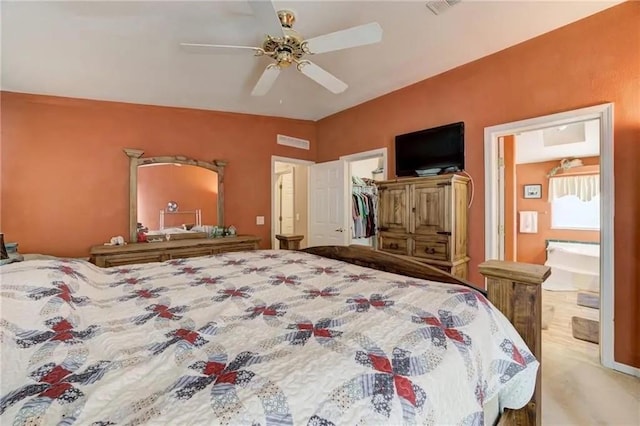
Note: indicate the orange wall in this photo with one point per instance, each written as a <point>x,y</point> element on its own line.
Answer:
<point>191,187</point>
<point>1,161</point>
<point>589,62</point>
<point>65,177</point>
<point>509,156</point>
<point>532,247</point>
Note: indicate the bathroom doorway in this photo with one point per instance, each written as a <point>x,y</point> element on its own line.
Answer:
<point>495,214</point>
<point>552,218</point>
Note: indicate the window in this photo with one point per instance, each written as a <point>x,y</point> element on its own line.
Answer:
<point>575,202</point>
<point>570,212</point>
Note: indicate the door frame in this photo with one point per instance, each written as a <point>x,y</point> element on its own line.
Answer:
<point>494,189</point>
<point>297,161</point>
<point>365,155</point>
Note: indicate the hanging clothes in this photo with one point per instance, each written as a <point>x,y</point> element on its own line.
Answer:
<point>364,207</point>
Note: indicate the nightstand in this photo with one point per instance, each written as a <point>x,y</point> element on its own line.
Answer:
<point>289,241</point>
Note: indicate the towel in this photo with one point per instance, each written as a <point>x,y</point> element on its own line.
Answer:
<point>528,222</point>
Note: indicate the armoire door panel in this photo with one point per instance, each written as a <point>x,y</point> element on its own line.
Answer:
<point>393,211</point>
<point>432,209</point>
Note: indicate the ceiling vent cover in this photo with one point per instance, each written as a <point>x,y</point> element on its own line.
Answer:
<point>439,6</point>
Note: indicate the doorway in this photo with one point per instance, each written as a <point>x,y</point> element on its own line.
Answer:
<point>494,200</point>
<point>551,217</point>
<point>365,169</point>
<point>289,199</point>
<point>284,202</point>
<point>320,226</point>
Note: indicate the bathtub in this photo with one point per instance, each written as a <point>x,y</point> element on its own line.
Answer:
<point>574,266</point>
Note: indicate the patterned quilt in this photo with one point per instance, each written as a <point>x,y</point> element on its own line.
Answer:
<point>264,337</point>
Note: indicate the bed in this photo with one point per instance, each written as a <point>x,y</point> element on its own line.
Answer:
<point>265,337</point>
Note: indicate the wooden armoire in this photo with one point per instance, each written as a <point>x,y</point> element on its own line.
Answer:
<point>426,218</point>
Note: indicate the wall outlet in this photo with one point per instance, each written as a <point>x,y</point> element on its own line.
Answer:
<point>259,220</point>
<point>297,216</point>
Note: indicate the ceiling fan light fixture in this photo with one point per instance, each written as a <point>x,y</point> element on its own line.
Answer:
<point>286,46</point>
<point>284,58</point>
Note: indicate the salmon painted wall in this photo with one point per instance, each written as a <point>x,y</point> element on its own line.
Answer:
<point>532,247</point>
<point>65,178</point>
<point>510,246</point>
<point>1,161</point>
<point>191,187</point>
<point>589,62</point>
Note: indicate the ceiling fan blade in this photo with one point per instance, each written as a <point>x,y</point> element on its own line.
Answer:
<point>267,17</point>
<point>322,77</point>
<point>345,39</point>
<point>266,81</point>
<point>221,48</point>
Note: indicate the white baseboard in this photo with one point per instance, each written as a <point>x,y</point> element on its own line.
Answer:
<point>627,369</point>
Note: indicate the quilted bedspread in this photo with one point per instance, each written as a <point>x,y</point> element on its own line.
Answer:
<point>264,337</point>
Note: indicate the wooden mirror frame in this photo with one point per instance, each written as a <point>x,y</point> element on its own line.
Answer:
<point>136,159</point>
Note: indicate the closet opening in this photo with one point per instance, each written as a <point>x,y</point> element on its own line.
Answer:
<point>365,169</point>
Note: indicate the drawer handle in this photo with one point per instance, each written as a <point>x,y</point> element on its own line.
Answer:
<point>394,246</point>
<point>430,250</point>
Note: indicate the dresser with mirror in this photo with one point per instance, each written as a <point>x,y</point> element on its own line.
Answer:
<point>177,205</point>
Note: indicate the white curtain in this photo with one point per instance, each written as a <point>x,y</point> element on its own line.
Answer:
<point>585,187</point>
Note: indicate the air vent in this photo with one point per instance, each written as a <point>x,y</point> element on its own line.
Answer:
<point>440,6</point>
<point>294,142</point>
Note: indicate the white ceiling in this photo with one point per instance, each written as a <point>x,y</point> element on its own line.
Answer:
<point>128,51</point>
<point>577,140</point>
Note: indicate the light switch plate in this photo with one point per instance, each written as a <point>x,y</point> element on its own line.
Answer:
<point>259,220</point>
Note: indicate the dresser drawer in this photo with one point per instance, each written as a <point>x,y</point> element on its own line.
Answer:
<point>193,252</point>
<point>237,247</point>
<point>130,259</point>
<point>394,244</point>
<point>431,248</point>
<point>132,253</point>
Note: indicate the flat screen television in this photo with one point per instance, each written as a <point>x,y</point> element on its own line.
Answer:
<point>436,150</point>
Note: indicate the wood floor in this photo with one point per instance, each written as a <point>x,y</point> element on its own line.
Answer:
<point>576,390</point>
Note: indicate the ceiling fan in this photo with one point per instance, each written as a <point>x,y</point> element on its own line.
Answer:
<point>286,47</point>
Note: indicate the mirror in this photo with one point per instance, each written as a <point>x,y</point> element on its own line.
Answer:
<point>170,191</point>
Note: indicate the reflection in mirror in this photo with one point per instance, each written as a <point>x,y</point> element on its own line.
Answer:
<point>194,190</point>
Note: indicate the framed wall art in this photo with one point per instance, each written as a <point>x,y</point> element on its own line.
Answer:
<point>533,191</point>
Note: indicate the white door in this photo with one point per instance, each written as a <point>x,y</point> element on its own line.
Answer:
<point>328,204</point>
<point>286,203</point>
